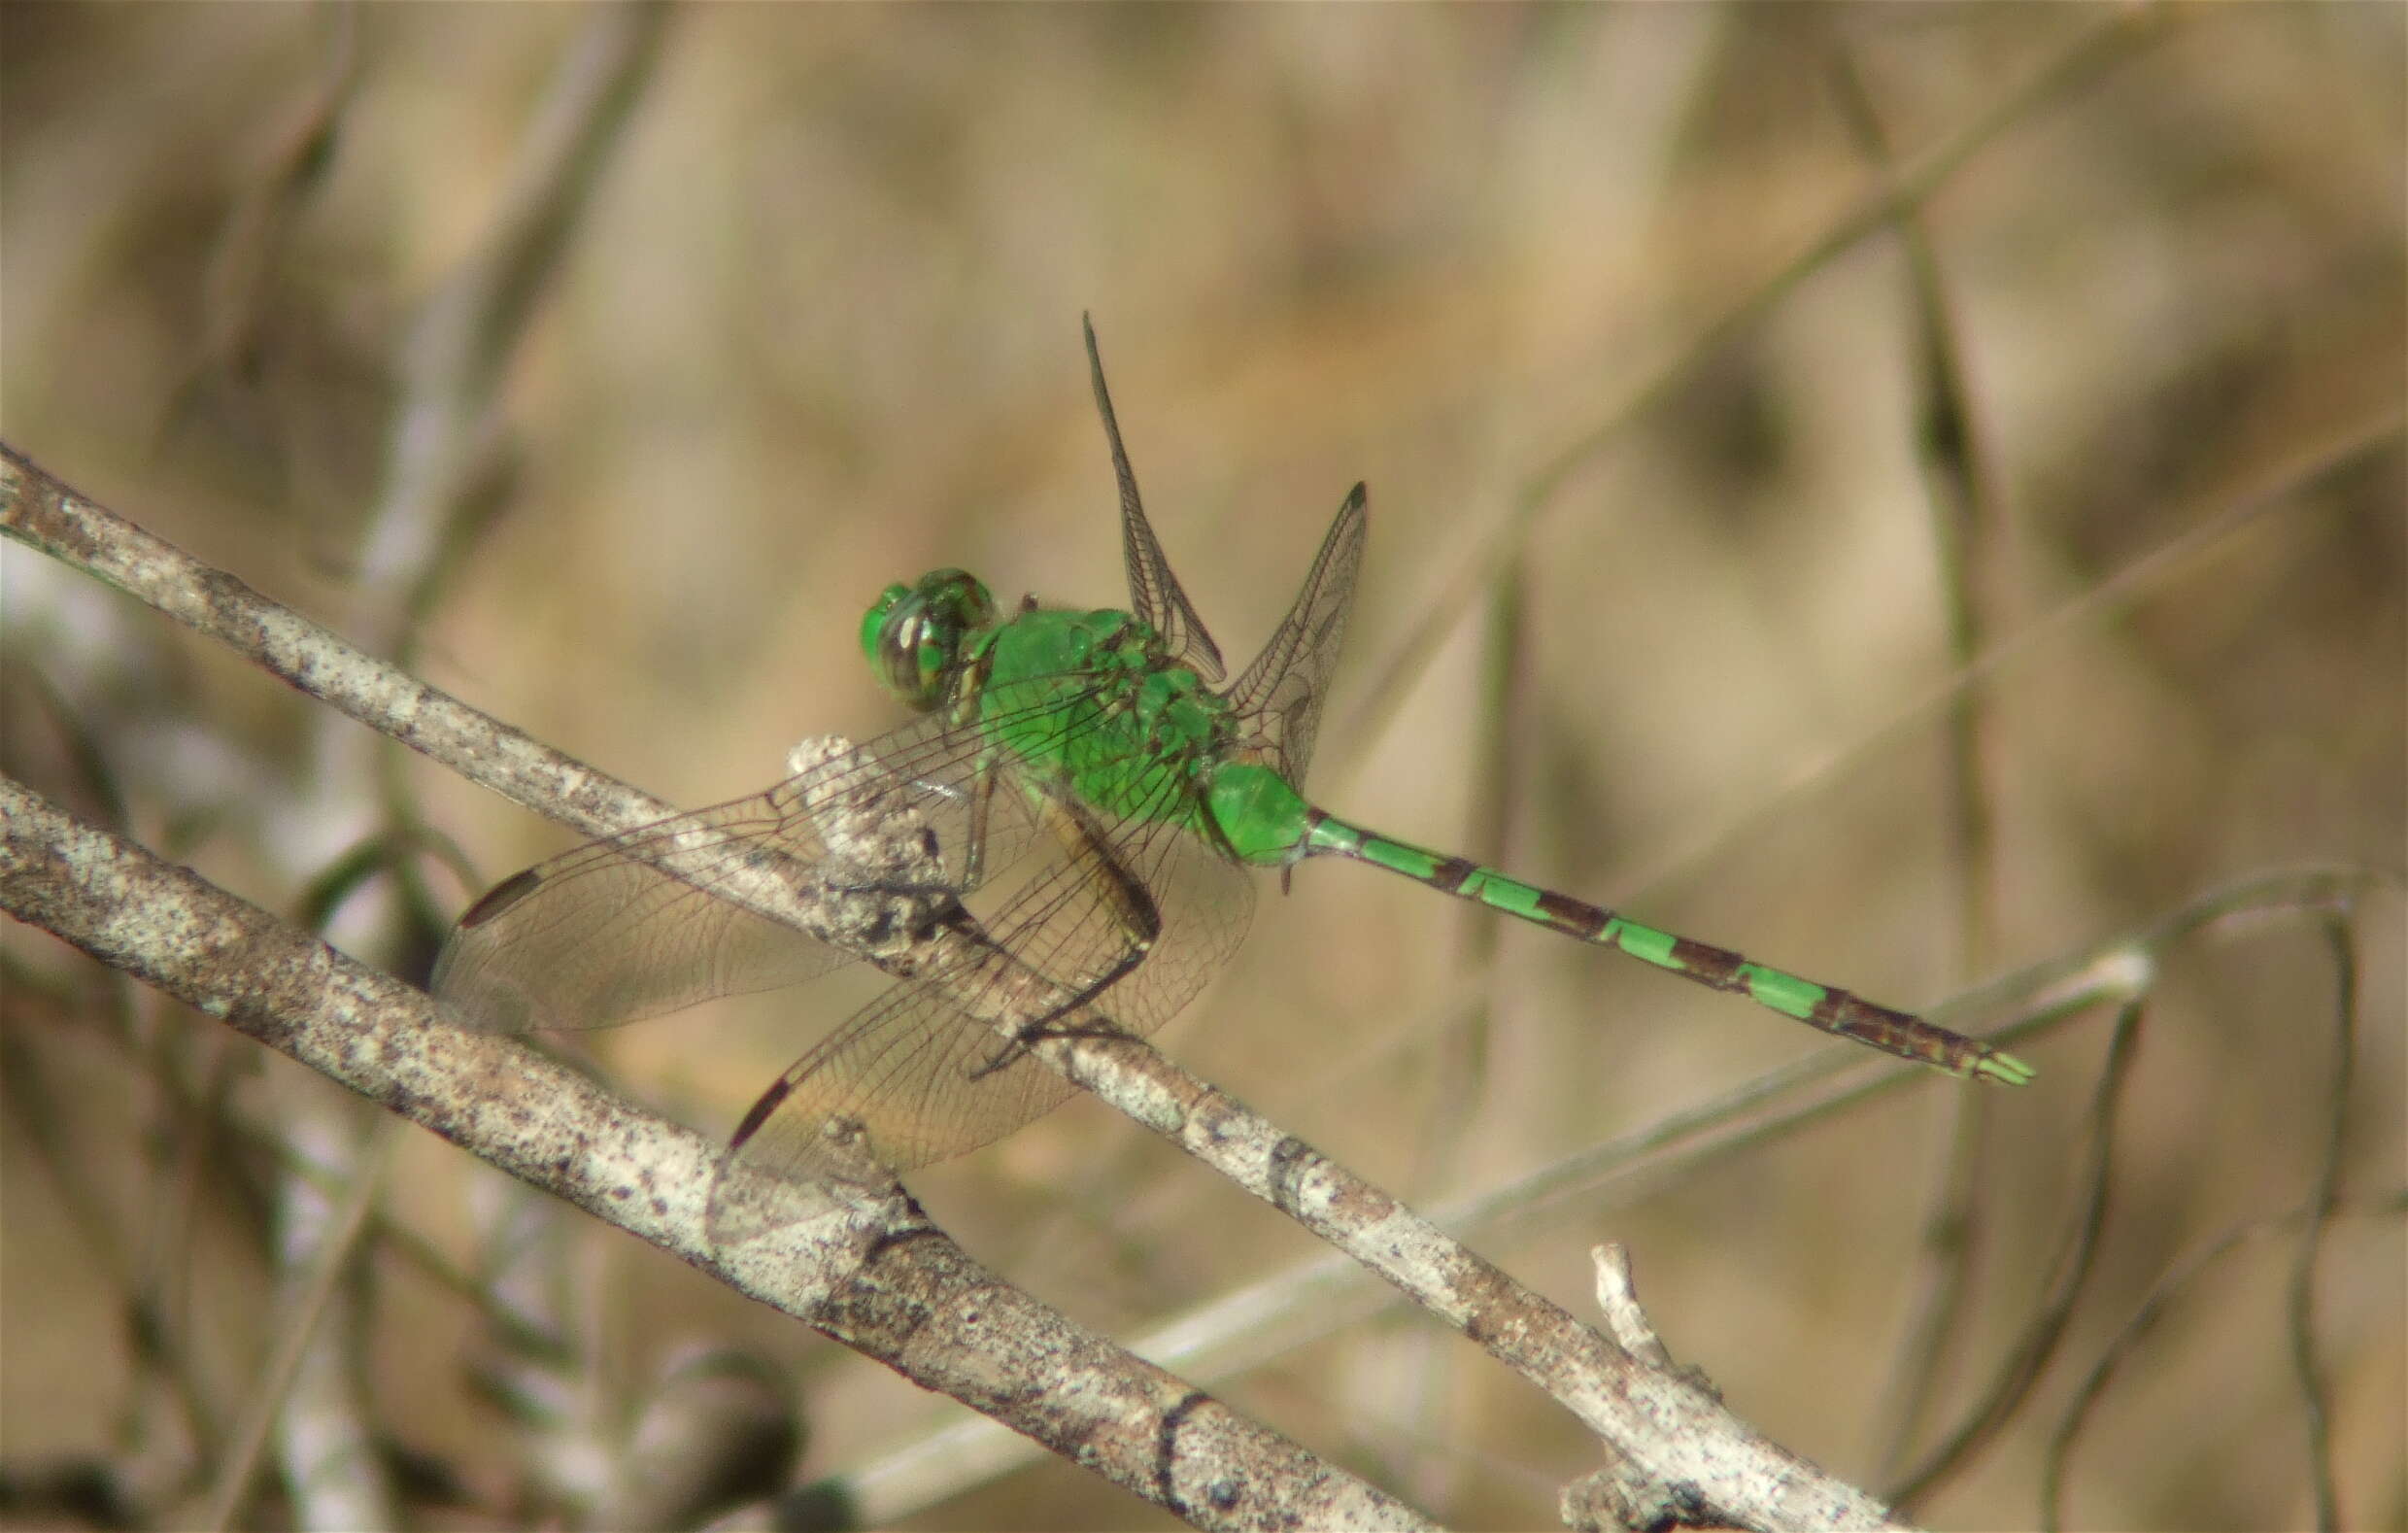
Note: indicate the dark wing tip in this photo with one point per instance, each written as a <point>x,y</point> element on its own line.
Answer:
<point>501,897</point>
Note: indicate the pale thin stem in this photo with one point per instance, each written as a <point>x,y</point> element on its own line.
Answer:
<point>1954,453</point>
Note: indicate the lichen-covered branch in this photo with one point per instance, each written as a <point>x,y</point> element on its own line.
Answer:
<point>884,1281</point>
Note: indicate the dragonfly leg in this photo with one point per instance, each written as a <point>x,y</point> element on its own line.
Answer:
<point>974,846</point>
<point>1134,910</point>
<point>1009,1052</point>
<point>1044,1027</point>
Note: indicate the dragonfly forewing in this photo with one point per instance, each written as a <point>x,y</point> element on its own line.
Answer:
<point>1155,593</point>
<point>764,891</point>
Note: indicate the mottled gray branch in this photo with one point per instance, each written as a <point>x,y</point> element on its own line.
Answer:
<point>884,1281</point>
<point>38,510</point>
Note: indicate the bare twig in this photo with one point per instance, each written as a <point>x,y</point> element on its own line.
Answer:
<point>1965,515</point>
<point>2179,1280</point>
<point>1608,1499</point>
<point>881,1281</point>
<point>39,511</point>
<point>1252,1326</point>
<point>2316,1404</point>
<point>2019,1371</point>
<point>315,1274</point>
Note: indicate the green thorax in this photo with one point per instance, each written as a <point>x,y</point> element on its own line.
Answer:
<point>1088,700</point>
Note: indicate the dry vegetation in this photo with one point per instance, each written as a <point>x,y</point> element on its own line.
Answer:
<point>809,323</point>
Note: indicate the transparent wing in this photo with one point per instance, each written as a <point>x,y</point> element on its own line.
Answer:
<point>1279,698</point>
<point>925,1071</point>
<point>1154,593</point>
<point>746,895</point>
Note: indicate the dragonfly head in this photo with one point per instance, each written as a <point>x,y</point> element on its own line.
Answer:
<point>914,635</point>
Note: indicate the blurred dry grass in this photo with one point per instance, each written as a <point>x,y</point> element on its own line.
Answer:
<point>818,330</point>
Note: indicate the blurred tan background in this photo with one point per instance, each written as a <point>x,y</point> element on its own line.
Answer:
<point>815,327</point>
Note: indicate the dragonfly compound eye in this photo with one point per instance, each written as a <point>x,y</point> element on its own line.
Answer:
<point>914,634</point>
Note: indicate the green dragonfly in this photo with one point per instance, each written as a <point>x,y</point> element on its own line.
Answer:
<point>1063,842</point>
